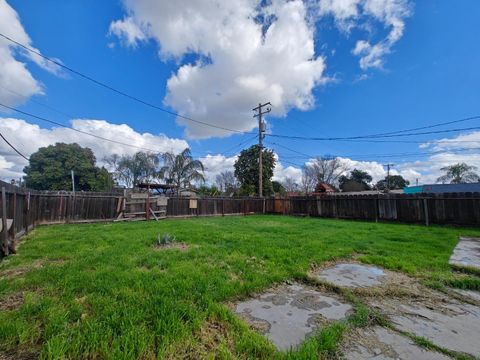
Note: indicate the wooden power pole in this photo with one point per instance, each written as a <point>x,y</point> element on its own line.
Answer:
<point>261,130</point>
<point>388,175</point>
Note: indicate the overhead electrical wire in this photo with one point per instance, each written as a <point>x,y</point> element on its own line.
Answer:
<point>369,136</point>
<point>77,130</point>
<point>13,147</point>
<point>120,92</point>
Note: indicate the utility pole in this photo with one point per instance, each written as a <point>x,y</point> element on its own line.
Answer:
<point>388,174</point>
<point>73,182</point>
<point>261,130</point>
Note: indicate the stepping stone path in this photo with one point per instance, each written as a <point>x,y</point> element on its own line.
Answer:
<point>380,343</point>
<point>352,275</point>
<point>288,314</point>
<point>466,253</point>
<point>445,321</point>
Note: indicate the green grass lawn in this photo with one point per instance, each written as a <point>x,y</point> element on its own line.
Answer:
<point>104,291</point>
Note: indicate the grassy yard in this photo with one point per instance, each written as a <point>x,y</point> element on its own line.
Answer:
<point>105,291</point>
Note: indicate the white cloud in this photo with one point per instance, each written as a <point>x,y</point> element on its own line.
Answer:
<point>127,31</point>
<point>351,13</point>
<point>16,82</point>
<point>240,59</point>
<point>215,164</point>
<point>29,137</point>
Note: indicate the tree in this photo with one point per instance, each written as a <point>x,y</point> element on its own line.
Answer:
<point>290,185</point>
<point>226,182</point>
<point>278,188</point>
<point>327,170</point>
<point>394,181</point>
<point>309,180</point>
<point>459,173</point>
<point>50,169</point>
<point>131,170</point>
<point>181,170</point>
<point>208,190</point>
<point>246,170</point>
<point>358,180</point>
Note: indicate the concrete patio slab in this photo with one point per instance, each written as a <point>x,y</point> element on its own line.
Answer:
<point>352,275</point>
<point>471,294</point>
<point>466,253</point>
<point>447,323</point>
<point>288,314</point>
<point>380,343</point>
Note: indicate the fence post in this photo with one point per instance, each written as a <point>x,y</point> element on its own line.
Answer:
<point>4,222</point>
<point>425,210</point>
<point>376,208</point>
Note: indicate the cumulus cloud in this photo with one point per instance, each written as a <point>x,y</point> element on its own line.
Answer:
<point>16,83</point>
<point>127,31</point>
<point>28,138</point>
<point>215,164</point>
<point>352,13</point>
<point>244,52</point>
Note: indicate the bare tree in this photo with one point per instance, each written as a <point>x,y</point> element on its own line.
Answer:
<point>328,169</point>
<point>308,180</point>
<point>290,185</point>
<point>227,182</point>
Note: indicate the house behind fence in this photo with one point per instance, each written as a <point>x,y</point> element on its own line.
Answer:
<point>23,209</point>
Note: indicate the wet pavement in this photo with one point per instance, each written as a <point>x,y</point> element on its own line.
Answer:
<point>352,275</point>
<point>288,314</point>
<point>466,253</point>
<point>380,343</point>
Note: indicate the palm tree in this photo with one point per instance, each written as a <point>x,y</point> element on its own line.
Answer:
<point>182,169</point>
<point>459,173</point>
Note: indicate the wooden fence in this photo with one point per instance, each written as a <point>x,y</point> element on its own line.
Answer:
<point>25,208</point>
<point>448,209</point>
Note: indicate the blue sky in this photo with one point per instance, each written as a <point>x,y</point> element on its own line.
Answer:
<point>428,74</point>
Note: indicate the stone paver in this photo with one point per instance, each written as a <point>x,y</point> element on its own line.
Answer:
<point>286,315</point>
<point>467,253</point>
<point>352,275</point>
<point>451,325</point>
<point>471,294</point>
<point>382,344</point>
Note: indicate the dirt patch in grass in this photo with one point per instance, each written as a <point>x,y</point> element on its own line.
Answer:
<point>176,245</point>
<point>12,302</point>
<point>18,355</point>
<point>210,340</point>
<point>21,270</point>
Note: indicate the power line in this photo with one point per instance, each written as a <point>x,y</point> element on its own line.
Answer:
<point>238,145</point>
<point>120,92</point>
<point>77,130</point>
<point>368,136</point>
<point>13,147</point>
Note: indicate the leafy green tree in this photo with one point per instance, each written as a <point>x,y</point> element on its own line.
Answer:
<point>182,169</point>
<point>50,169</point>
<point>278,188</point>
<point>208,190</point>
<point>394,182</point>
<point>131,170</point>
<point>246,170</point>
<point>356,180</point>
<point>459,173</point>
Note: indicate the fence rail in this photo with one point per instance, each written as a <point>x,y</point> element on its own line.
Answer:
<point>27,208</point>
